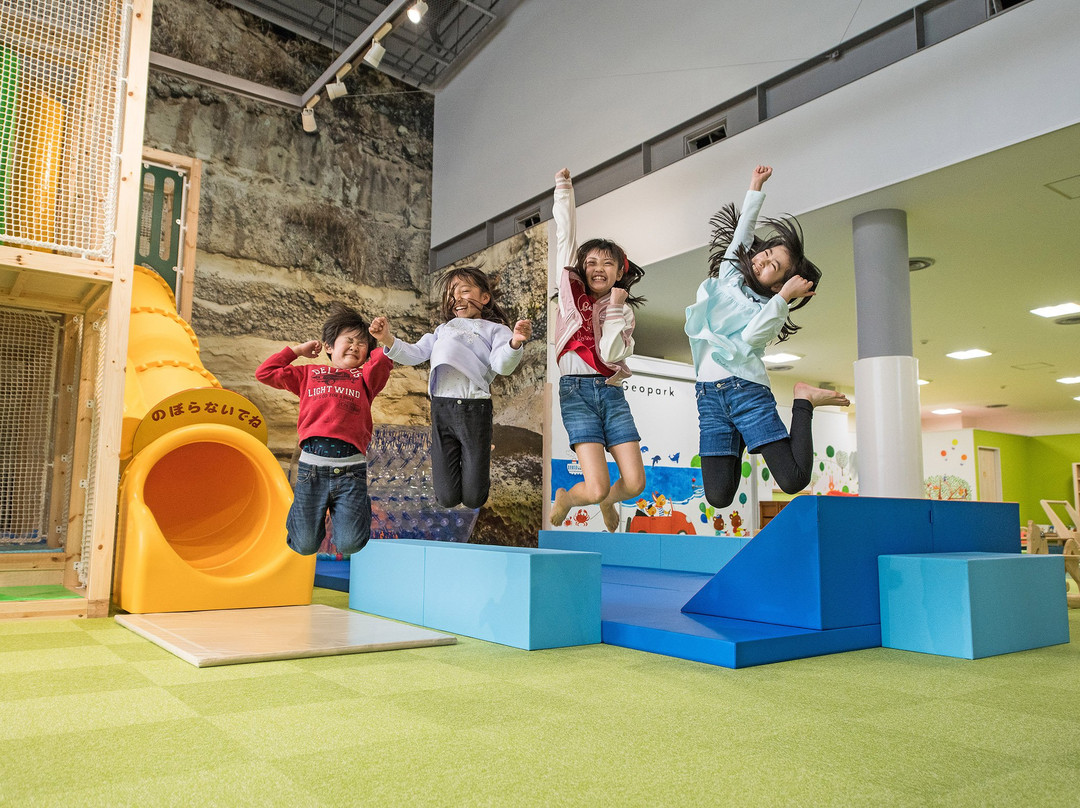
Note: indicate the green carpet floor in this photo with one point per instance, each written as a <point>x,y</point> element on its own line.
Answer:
<point>93,715</point>
<point>42,592</point>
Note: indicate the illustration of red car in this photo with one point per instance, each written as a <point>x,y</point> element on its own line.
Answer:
<point>675,523</point>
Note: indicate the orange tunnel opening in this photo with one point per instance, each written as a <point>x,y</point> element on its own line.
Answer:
<point>210,503</point>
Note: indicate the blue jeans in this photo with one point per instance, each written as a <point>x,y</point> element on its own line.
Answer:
<point>594,411</point>
<point>342,490</point>
<point>733,413</point>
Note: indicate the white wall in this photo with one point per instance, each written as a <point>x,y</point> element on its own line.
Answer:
<point>574,83</point>
<point>567,83</point>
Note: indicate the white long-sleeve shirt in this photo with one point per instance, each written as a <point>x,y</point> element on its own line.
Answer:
<point>465,354</point>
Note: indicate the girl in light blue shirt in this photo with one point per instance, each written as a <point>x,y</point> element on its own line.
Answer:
<point>753,286</point>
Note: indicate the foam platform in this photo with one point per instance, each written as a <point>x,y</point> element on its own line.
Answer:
<point>815,564</point>
<point>232,636</point>
<point>332,574</point>
<point>666,551</point>
<point>642,610</point>
<point>806,585</point>
<point>972,605</point>
<point>524,597</point>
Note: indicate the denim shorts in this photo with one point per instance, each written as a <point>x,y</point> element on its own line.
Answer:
<point>341,490</point>
<point>594,411</point>
<point>733,413</point>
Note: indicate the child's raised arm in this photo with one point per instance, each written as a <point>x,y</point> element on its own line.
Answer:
<point>310,349</point>
<point>757,179</point>
<point>380,329</point>
<point>565,215</point>
<point>522,333</point>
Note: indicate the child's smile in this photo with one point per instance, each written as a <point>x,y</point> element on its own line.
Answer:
<point>469,300</point>
<point>771,267</point>
<point>601,272</point>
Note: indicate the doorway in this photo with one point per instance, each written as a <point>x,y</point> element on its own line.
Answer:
<point>989,463</point>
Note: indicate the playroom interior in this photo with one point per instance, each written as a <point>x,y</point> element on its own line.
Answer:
<point>185,186</point>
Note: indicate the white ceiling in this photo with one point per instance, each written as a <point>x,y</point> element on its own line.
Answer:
<point>1003,242</point>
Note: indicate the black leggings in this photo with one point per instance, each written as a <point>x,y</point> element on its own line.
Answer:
<point>791,461</point>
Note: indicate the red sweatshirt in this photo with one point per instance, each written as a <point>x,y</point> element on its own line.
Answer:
<point>334,403</point>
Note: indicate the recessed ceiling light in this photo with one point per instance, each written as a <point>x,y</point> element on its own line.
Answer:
<point>995,406</point>
<point>781,357</point>
<point>923,381</point>
<point>1058,310</point>
<point>946,411</point>
<point>915,264</point>
<point>1070,380</point>
<point>974,353</point>
<point>1077,398</point>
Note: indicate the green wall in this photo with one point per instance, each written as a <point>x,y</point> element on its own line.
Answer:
<point>1033,468</point>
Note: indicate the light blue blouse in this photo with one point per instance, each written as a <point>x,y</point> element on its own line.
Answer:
<point>729,326</point>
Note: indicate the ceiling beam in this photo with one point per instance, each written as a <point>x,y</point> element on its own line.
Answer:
<point>224,81</point>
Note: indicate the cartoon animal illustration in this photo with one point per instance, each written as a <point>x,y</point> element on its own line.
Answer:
<point>656,459</point>
<point>718,523</point>
<point>736,523</point>
<point>645,507</point>
<point>674,458</point>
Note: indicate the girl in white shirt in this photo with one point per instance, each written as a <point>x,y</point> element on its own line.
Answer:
<point>743,305</point>
<point>466,352</point>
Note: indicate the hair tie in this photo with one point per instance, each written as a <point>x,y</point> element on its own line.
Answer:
<point>625,263</point>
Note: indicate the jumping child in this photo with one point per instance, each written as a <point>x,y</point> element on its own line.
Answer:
<point>593,338</point>
<point>334,428</point>
<point>466,352</point>
<point>741,307</point>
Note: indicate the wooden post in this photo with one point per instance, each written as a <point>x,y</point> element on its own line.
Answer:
<point>111,396</point>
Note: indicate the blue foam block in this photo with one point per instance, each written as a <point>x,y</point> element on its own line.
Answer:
<point>669,551</point>
<point>698,553</point>
<point>387,578</point>
<point>622,549</point>
<point>987,527</point>
<point>641,610</point>
<point>524,597</point>
<point>815,564</point>
<point>332,574</point>
<point>972,605</point>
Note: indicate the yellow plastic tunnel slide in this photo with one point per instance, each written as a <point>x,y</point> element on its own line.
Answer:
<point>203,501</point>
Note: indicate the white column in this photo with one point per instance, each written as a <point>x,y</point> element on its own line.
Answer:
<point>887,421</point>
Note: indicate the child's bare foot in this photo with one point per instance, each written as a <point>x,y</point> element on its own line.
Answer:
<point>560,507</point>
<point>611,516</point>
<point>819,397</point>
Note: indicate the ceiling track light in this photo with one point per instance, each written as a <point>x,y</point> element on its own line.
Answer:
<point>377,50</point>
<point>417,11</point>
<point>307,116</point>
<point>375,54</point>
<point>337,88</point>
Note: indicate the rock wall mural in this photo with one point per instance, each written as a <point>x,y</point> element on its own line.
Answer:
<point>289,221</point>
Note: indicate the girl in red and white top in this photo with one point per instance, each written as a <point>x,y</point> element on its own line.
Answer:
<point>594,330</point>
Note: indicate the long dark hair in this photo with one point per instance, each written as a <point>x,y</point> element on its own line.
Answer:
<point>784,232</point>
<point>492,311</point>
<point>632,273</point>
<point>345,318</point>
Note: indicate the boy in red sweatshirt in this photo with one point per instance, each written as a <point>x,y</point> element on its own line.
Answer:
<point>334,428</point>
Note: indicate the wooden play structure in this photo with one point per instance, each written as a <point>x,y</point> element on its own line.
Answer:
<point>1038,543</point>
<point>72,105</point>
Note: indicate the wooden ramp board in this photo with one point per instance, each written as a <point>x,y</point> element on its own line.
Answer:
<point>233,636</point>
